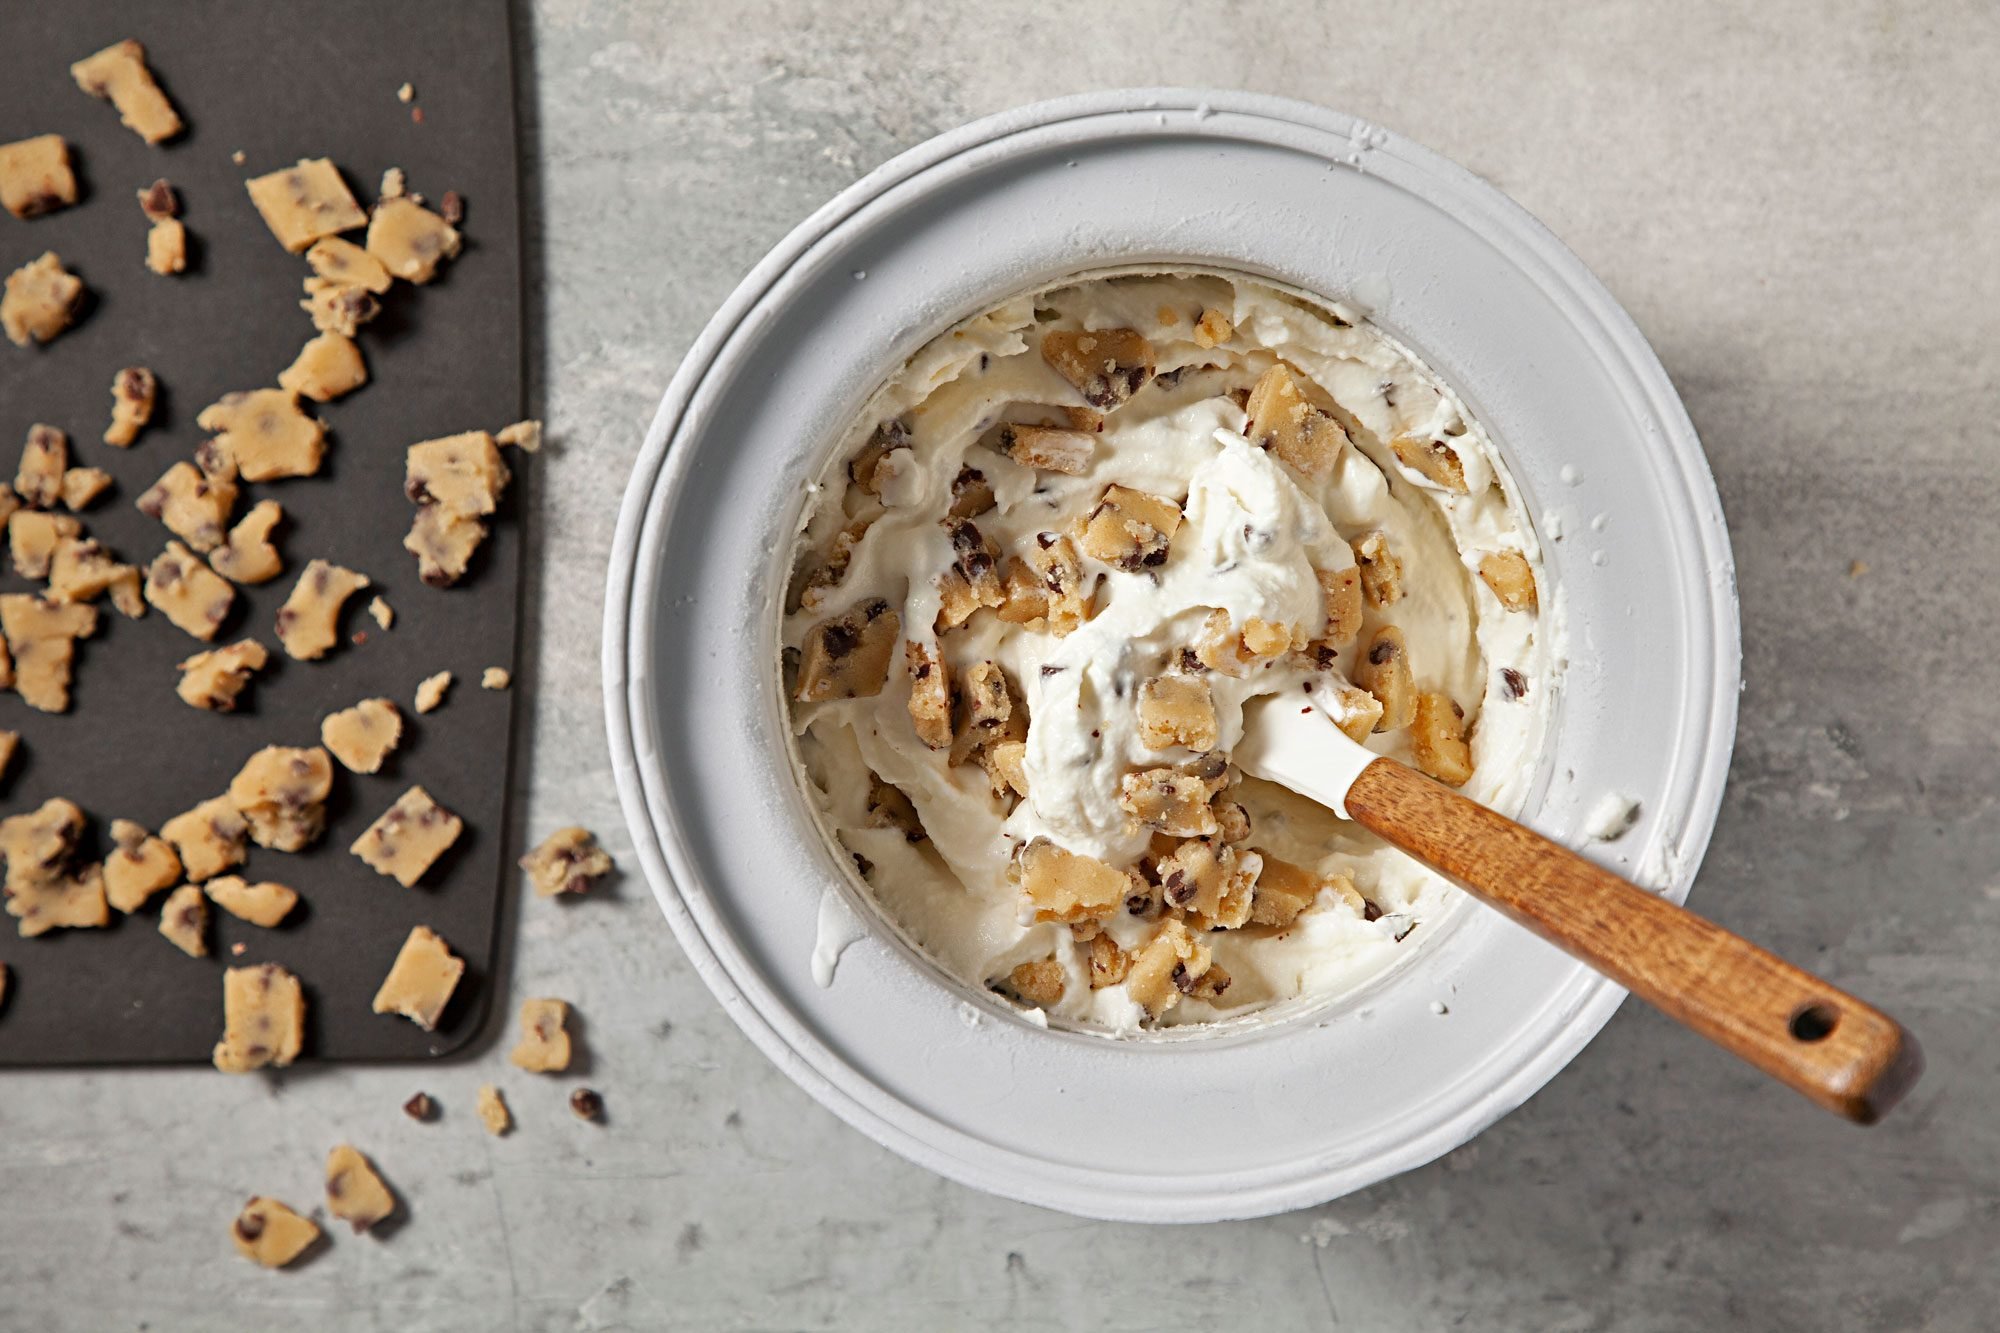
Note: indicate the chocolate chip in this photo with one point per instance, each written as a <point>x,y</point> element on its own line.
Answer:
<point>587,1104</point>
<point>1516,684</point>
<point>249,1226</point>
<point>1382,652</point>
<point>1183,982</point>
<point>420,1107</point>
<point>452,207</point>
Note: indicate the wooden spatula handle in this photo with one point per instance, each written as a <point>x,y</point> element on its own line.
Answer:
<point>1847,1056</point>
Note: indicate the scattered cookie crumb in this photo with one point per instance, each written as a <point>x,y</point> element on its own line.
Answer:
<point>271,1234</point>
<point>1857,569</point>
<point>118,75</point>
<point>354,1191</point>
<point>421,980</point>
<point>544,1047</point>
<point>586,1104</point>
<point>238,157</point>
<point>431,691</point>
<point>385,615</point>
<point>495,678</point>
<point>420,1107</point>
<point>394,184</point>
<point>568,861</point>
<point>40,301</point>
<point>408,837</point>
<point>1612,816</point>
<point>35,176</point>
<point>134,391</point>
<point>406,93</point>
<point>263,1017</point>
<point>523,435</point>
<point>493,1111</point>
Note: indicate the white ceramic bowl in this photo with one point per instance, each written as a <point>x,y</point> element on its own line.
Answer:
<point>1246,1122</point>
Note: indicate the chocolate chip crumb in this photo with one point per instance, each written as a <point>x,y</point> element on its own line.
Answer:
<point>587,1104</point>
<point>420,1107</point>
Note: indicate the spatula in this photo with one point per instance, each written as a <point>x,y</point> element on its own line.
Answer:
<point>1849,1057</point>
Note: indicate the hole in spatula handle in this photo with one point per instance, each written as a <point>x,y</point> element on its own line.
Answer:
<point>1814,1022</point>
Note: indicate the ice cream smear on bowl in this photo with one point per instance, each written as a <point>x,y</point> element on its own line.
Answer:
<point>1045,572</point>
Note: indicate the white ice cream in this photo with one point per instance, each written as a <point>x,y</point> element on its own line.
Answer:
<point>1252,536</point>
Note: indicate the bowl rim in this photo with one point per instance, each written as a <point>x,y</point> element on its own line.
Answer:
<point>659,471</point>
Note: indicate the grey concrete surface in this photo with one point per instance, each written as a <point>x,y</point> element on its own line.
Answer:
<point>1799,203</point>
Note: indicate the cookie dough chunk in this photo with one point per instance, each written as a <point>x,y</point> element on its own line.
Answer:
<point>1131,530</point>
<point>209,838</point>
<point>337,308</point>
<point>139,866</point>
<point>345,264</point>
<point>188,592</point>
<point>81,486</point>
<point>40,301</point>
<point>194,502</point>
<point>354,1192</point>
<point>44,459</point>
<point>455,482</point>
<point>134,391</point>
<point>1341,589</point>
<point>1511,578</point>
<point>118,74</point>
<point>1063,886</point>
<point>248,555</point>
<point>410,835</point>
<point>166,247</point>
<point>1437,739</point>
<point>184,921</point>
<point>1384,671</point>
<point>493,1112</point>
<point>43,635</point>
<point>848,656</point>
<point>1169,801</point>
<point>265,434</point>
<point>1167,967</point>
<point>1433,460</point>
<point>544,1044</point>
<point>271,1234</point>
<point>363,736</point>
<point>523,435</point>
<point>567,861</point>
<point>325,368</point>
<point>1048,448</point>
<point>281,793</point>
<point>35,177</point>
<point>263,1019</point>
<point>32,539</point>
<point>72,900</point>
<point>1381,569</point>
<point>45,888</point>
<point>303,203</point>
<point>381,612</point>
<point>1284,419</point>
<point>309,621</point>
<point>421,980</point>
<point>444,544</point>
<point>930,693</point>
<point>1107,366</point>
<point>1177,710</point>
<point>431,691</point>
<point>83,571</point>
<point>216,679</point>
<point>410,240</point>
<point>263,904</point>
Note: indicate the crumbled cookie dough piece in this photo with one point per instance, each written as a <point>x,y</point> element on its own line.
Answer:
<point>1177,710</point>
<point>354,1192</point>
<point>309,621</point>
<point>265,434</point>
<point>1047,585</point>
<point>188,592</point>
<point>1285,890</point>
<point>336,307</point>
<point>1381,570</point>
<point>1342,591</point>
<point>35,176</point>
<point>134,391</point>
<point>1196,877</point>
<point>270,1234</point>
<point>248,556</point>
<point>523,435</point>
<point>1038,983</point>
<point>495,678</point>
<point>264,904</point>
<point>139,866</point>
<point>45,888</point>
<point>1131,530</point>
<point>209,838</point>
<point>1384,671</point>
<point>327,367</point>
<point>567,861</point>
<point>1222,648</point>
<point>10,744</point>
<point>118,74</point>
<point>81,487</point>
<point>42,842</point>
<point>847,657</point>
<point>166,247</point>
<point>443,543</point>
<point>493,1112</point>
<point>1166,967</point>
<point>193,502</point>
<point>394,185</point>
<point>1437,739</point>
<point>421,1107</point>
<point>184,921</point>
<point>383,614</point>
<point>1213,329</point>
<point>263,1019</point>
<point>1107,366</point>
<point>406,93</point>
<point>887,438</point>
<point>930,693</point>
<point>301,204</point>
<point>431,691</point>
<point>1511,578</point>
<point>216,679</point>
<point>888,807</point>
<point>989,709</point>
<point>971,494</point>
<point>281,792</point>
<point>33,538</point>
<point>1434,460</point>
<point>40,301</point>
<point>42,635</point>
<point>544,1044</point>
<point>363,736</point>
<point>1354,710</point>
<point>82,571</point>
<point>44,459</point>
<point>346,264</point>
<point>1063,886</point>
<point>421,980</point>
<point>1171,801</point>
<point>1284,420</point>
<point>410,240</point>
<point>973,580</point>
<point>1049,448</point>
<point>586,1104</point>
<point>408,837</point>
<point>72,899</point>
<point>455,482</point>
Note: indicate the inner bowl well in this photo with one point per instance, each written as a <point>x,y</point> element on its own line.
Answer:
<point>1318,202</point>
